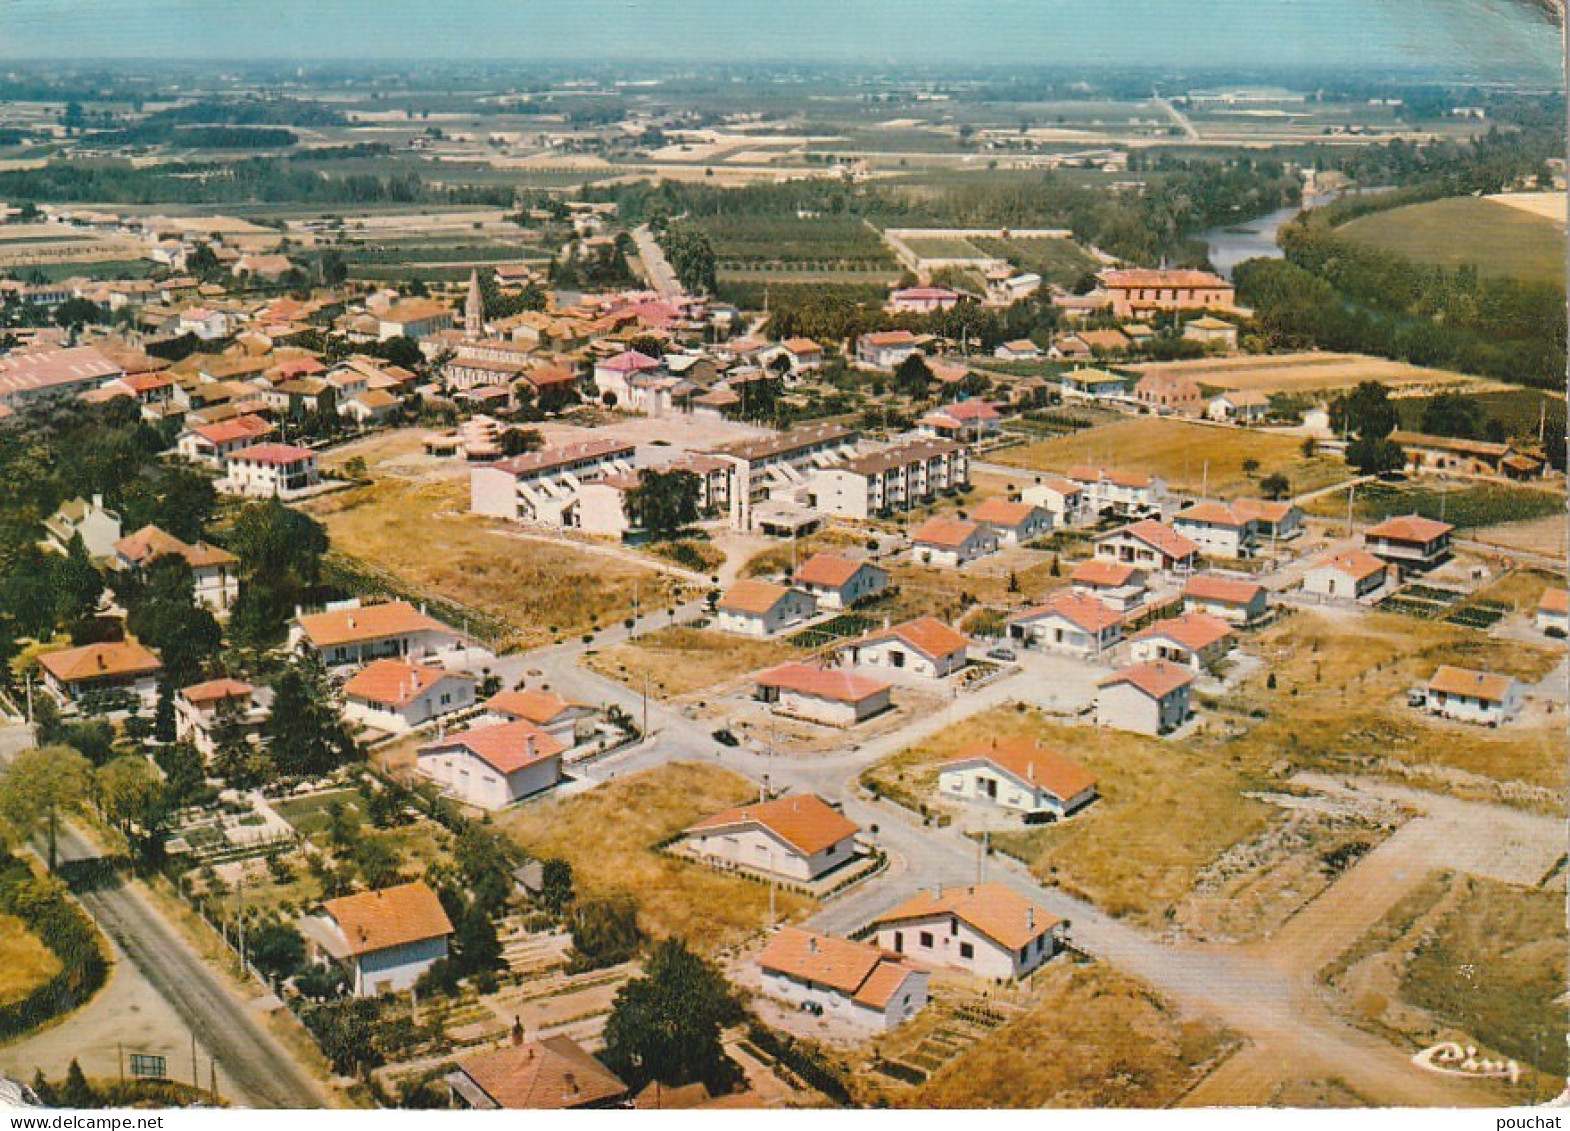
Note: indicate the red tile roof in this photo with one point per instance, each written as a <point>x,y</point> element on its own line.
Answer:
<point>1000,913</point>
<point>1080,609</point>
<point>1225,590</point>
<point>1001,512</point>
<point>505,747</point>
<point>828,570</point>
<point>822,683</point>
<point>753,596</point>
<point>216,691</point>
<point>1354,563</point>
<point>1098,573</point>
<point>108,660</point>
<point>805,822</point>
<point>1487,686</point>
<point>278,455</point>
<point>537,707</point>
<point>554,1074</point>
<point>950,533</point>
<point>393,683</point>
<point>396,916</point>
<point>1157,679</point>
<point>1193,631</point>
<point>1030,762</point>
<point>1410,528</point>
<point>1158,537</point>
<point>865,974</point>
<point>1554,601</point>
<point>366,623</point>
<point>928,635</point>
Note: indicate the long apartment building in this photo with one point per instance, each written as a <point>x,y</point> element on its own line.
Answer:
<point>780,465</point>
<point>545,486</point>
<point>895,478</point>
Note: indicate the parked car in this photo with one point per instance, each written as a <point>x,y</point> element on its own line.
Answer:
<point>1002,652</point>
<point>725,738</point>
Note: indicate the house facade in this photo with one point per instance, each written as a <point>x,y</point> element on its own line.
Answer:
<point>1020,775</point>
<point>924,647</point>
<point>1075,623</point>
<point>361,633</point>
<point>270,471</point>
<point>384,940</point>
<point>1014,523</point>
<point>837,582</point>
<point>1194,641</point>
<point>796,837</point>
<point>397,696</point>
<point>895,478</point>
<point>1151,546</point>
<point>1474,697</point>
<point>1232,599</point>
<point>1411,543</point>
<point>1149,698</point>
<point>753,607</point>
<point>988,930</point>
<point>492,767</point>
<point>952,542</point>
<point>849,981</point>
<point>1345,577</point>
<point>822,695</point>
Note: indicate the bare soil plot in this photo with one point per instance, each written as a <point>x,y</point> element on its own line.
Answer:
<point>25,962</point>
<point>609,837</point>
<point>678,661</point>
<point>1306,372</point>
<point>1549,205</point>
<point>1467,959</point>
<point>419,533</point>
<point>1167,810</point>
<point>1339,704</point>
<point>1189,456</point>
<point>1546,536</point>
<point>1091,1037</point>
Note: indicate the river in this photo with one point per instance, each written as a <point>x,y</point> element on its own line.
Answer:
<point>1231,244</point>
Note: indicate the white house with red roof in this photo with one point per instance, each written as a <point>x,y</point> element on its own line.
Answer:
<point>1193,641</point>
<point>754,607</point>
<point>924,647</point>
<point>1128,494</point>
<point>1064,499</point>
<point>1151,545</point>
<point>798,837</point>
<point>397,696</point>
<point>952,542</point>
<point>1075,623</point>
<point>839,582</point>
<point>198,709</point>
<point>847,981</point>
<point>1348,576</point>
<point>822,695</point>
<point>1411,542</point>
<point>1236,600</point>
<point>211,444</point>
<point>617,375</point>
<point>1018,774</point>
<point>384,940</point>
<point>358,633</point>
<point>1149,698</point>
<point>563,719</point>
<point>966,421</point>
<point>215,572</point>
<point>923,300</point>
<point>1014,523</point>
<point>886,349</point>
<point>270,471</point>
<point>803,354</point>
<point>1553,612</point>
<point>493,766</point>
<point>1218,529</point>
<point>1118,585</point>
<point>1472,696</point>
<point>984,929</point>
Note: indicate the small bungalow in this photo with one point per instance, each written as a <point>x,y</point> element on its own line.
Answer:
<point>952,542</point>
<point>1018,774</point>
<point>925,647</point>
<point>1117,585</point>
<point>1149,698</point>
<point>1151,545</point>
<point>369,632</point>
<point>754,607</point>
<point>1233,600</point>
<point>491,767</point>
<point>1243,406</point>
<point>113,665</point>
<point>1014,523</point>
<point>554,715</point>
<point>1193,640</point>
<point>1553,612</point>
<point>985,929</point>
<point>797,837</point>
<point>1075,623</point>
<point>397,696</point>
<point>384,940</point>
<point>1473,697</point>
<point>1345,577</point>
<point>851,981</point>
<point>554,1074</point>
<point>837,582</point>
<point>822,695</point>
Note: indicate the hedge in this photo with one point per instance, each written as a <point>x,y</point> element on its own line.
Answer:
<point>65,929</point>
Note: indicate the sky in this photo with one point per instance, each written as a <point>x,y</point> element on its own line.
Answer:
<point>1491,39</point>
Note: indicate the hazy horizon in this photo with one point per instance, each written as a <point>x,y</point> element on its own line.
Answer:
<point>1488,40</point>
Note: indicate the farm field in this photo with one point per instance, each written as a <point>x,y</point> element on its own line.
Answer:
<point>1056,261</point>
<point>943,247</point>
<point>533,585</point>
<point>1480,232</point>
<point>1187,455</point>
<point>1307,373</point>
<point>609,834</point>
<point>677,661</point>
<point>1467,505</point>
<point>25,962</point>
<point>1519,410</point>
<point>827,243</point>
<point>1125,853</point>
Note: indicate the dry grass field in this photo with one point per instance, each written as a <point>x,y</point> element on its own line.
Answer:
<point>1485,233</point>
<point>1339,704</point>
<point>608,835</point>
<point>534,584</point>
<point>25,962</point>
<point>1189,456</point>
<point>679,661</point>
<point>1091,1038</point>
<point>1306,372</point>
<point>1167,810</point>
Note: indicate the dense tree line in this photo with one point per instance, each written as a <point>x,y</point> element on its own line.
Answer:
<point>691,255</point>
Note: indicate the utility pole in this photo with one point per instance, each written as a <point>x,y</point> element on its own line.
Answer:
<point>1351,494</point>
<point>645,706</point>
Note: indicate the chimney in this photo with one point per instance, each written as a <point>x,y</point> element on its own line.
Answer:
<point>571,1083</point>
<point>1030,919</point>
<point>812,944</point>
<point>98,502</point>
<point>517,1030</point>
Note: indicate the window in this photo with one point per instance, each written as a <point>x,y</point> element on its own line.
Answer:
<point>966,950</point>
<point>926,940</point>
<point>953,926</point>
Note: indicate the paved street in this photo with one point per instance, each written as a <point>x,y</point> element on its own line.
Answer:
<point>656,267</point>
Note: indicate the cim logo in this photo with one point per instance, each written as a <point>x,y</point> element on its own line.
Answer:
<point>1449,1058</point>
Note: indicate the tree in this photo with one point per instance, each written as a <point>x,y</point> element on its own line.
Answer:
<point>76,583</point>
<point>477,950</point>
<point>556,892</point>
<point>1309,447</point>
<point>162,611</point>
<point>1375,456</point>
<point>1275,486</point>
<point>378,863</point>
<point>276,949</point>
<point>280,552</point>
<point>1365,412</point>
<point>76,1092</point>
<point>183,774</point>
<point>913,376</point>
<point>1250,466</point>
<point>136,802</point>
<point>236,759</point>
<point>664,502</point>
<point>604,932</point>
<point>666,1025</point>
<point>484,861</point>
<point>42,787</point>
<point>305,734</point>
<point>1451,414</point>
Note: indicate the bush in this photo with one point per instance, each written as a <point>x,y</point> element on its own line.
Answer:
<point>49,913</point>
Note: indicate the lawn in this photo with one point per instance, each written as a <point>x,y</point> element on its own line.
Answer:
<point>1463,505</point>
<point>25,962</point>
<point>536,585</point>
<point>1493,237</point>
<point>1189,456</point>
<point>609,834</point>
<point>1167,809</point>
<point>942,247</point>
<point>1339,704</point>
<point>1093,1038</point>
<point>309,816</point>
<point>678,661</point>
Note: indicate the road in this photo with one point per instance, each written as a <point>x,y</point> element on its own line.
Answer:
<point>260,1072</point>
<point>661,276</point>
